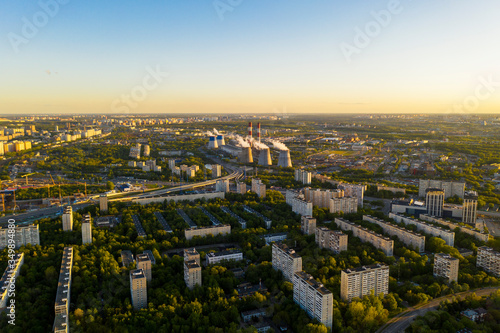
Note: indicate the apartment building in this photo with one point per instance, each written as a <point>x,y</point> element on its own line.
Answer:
<point>286,260</point>
<point>5,281</point>
<point>144,262</point>
<point>380,242</point>
<point>313,297</point>
<point>222,185</point>
<point>469,208</point>
<point>308,225</point>
<point>87,229</point>
<point>22,236</point>
<point>346,205</point>
<point>303,176</point>
<point>334,240</point>
<point>299,205</point>
<point>67,219</point>
<point>259,188</point>
<point>192,268</point>
<point>138,289</point>
<point>216,170</point>
<point>450,188</point>
<point>321,198</point>
<point>103,203</point>
<point>408,237</point>
<point>241,188</point>
<point>215,230</point>
<point>218,257</point>
<point>363,280</point>
<point>489,260</point>
<point>447,235</point>
<point>353,190</point>
<point>62,302</point>
<point>446,266</point>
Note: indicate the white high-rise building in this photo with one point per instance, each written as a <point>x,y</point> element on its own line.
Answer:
<point>313,297</point>
<point>86,229</point>
<point>286,260</point>
<point>138,289</point>
<point>67,219</point>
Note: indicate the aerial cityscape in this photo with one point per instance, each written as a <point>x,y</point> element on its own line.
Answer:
<point>236,166</point>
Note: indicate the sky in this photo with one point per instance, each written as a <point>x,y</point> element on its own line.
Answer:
<point>249,56</point>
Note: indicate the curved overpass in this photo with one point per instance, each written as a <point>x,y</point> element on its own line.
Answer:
<point>237,174</point>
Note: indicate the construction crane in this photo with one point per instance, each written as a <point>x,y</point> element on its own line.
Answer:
<point>53,182</point>
<point>26,176</point>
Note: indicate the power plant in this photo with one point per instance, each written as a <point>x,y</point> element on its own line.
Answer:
<point>246,155</point>
<point>250,130</point>
<point>284,159</point>
<point>212,143</point>
<point>265,157</point>
<point>220,140</point>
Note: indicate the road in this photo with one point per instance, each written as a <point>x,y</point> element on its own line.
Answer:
<point>403,320</point>
<point>38,214</point>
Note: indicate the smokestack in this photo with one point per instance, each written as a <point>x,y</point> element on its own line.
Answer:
<point>284,159</point>
<point>246,155</point>
<point>250,130</point>
<point>265,157</point>
<point>220,140</point>
<point>212,143</point>
<point>258,132</point>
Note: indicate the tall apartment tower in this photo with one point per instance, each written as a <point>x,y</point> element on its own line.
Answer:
<point>334,240</point>
<point>144,262</point>
<point>86,229</point>
<point>362,281</point>
<point>138,289</point>
<point>286,260</point>
<point>103,203</point>
<point>241,188</point>
<point>308,225</point>
<point>192,268</point>
<point>313,297</point>
<point>434,201</point>
<point>446,266</point>
<point>469,208</point>
<point>216,171</point>
<point>67,219</point>
<point>489,260</point>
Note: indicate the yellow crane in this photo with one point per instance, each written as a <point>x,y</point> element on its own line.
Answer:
<point>26,176</point>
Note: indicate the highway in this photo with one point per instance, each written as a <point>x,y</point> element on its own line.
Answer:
<point>402,321</point>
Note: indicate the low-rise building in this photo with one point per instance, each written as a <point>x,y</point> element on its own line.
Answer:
<point>218,257</point>
<point>214,230</point>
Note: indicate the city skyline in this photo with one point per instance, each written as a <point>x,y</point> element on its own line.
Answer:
<point>249,57</point>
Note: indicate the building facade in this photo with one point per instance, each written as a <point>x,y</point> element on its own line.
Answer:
<point>22,236</point>
<point>138,289</point>
<point>67,219</point>
<point>346,205</point>
<point>489,260</point>
<point>385,244</point>
<point>447,235</point>
<point>313,297</point>
<point>450,188</point>
<point>363,280</point>
<point>192,268</point>
<point>87,229</point>
<point>334,240</point>
<point>143,261</point>
<point>5,281</point>
<point>286,260</point>
<point>469,208</point>
<point>308,225</point>
<point>446,266</point>
<point>218,257</point>
<point>215,230</point>
<point>434,201</point>
<point>62,302</point>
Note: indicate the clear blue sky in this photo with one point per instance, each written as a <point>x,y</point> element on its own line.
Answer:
<point>264,55</point>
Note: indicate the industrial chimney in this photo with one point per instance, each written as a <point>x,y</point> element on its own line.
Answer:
<point>246,155</point>
<point>250,130</point>
<point>220,140</point>
<point>265,157</point>
<point>284,159</point>
<point>212,143</point>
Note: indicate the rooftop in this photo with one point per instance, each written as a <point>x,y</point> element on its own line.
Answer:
<point>137,274</point>
<point>364,268</point>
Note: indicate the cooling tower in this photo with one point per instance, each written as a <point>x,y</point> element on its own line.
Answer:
<point>246,155</point>
<point>284,159</point>
<point>265,157</point>
<point>212,143</point>
<point>220,140</point>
